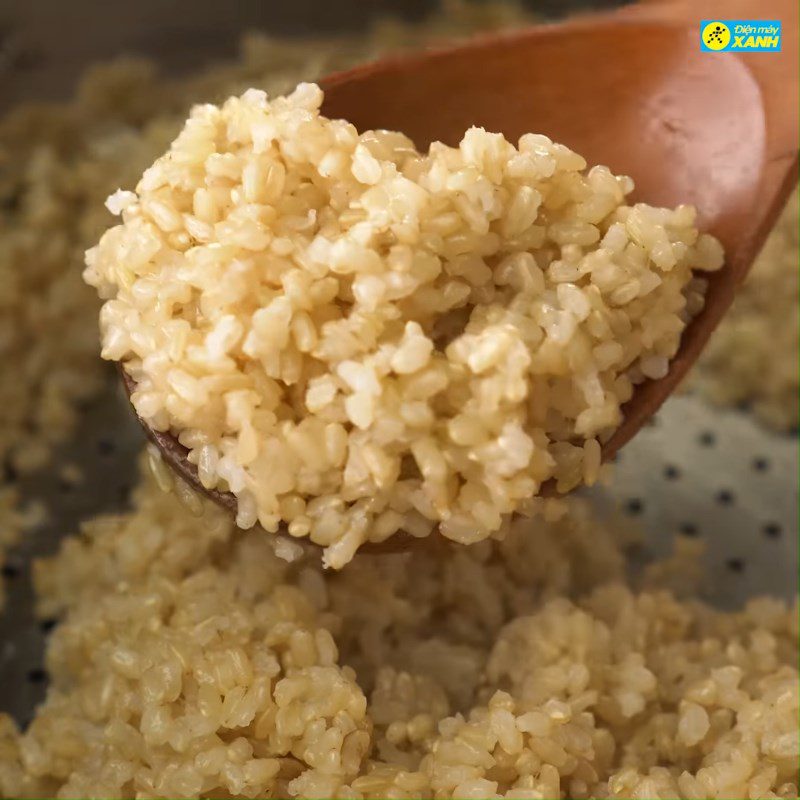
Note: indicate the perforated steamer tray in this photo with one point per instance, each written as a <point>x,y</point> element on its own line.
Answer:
<point>699,471</point>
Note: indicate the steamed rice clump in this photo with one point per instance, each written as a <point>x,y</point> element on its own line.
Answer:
<point>59,161</point>
<point>356,338</point>
<point>192,662</point>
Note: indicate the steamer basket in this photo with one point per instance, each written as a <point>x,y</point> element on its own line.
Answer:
<point>697,470</point>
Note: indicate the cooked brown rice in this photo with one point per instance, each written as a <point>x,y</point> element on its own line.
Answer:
<point>58,163</point>
<point>193,662</point>
<point>356,338</point>
<point>442,668</point>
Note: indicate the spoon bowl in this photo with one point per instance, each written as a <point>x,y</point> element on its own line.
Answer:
<point>632,91</point>
<point>629,89</point>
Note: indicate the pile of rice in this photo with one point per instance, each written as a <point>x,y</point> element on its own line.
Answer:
<point>59,162</point>
<point>356,338</point>
<point>192,662</point>
<point>753,358</point>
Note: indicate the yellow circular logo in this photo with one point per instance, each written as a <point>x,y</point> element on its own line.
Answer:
<point>716,36</point>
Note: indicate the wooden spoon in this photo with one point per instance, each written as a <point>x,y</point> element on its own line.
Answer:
<point>629,89</point>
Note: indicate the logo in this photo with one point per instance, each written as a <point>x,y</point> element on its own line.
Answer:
<point>716,36</point>
<point>740,35</point>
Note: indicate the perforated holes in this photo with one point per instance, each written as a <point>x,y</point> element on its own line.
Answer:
<point>634,506</point>
<point>671,472</point>
<point>772,530</point>
<point>689,529</point>
<point>37,675</point>
<point>725,497</point>
<point>707,439</point>
<point>10,570</point>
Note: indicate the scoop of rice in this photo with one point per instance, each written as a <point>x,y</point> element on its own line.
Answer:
<point>355,338</point>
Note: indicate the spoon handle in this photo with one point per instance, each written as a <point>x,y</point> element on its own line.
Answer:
<point>777,72</point>
<point>778,78</point>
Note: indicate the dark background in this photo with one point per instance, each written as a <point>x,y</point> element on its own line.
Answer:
<point>45,44</point>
